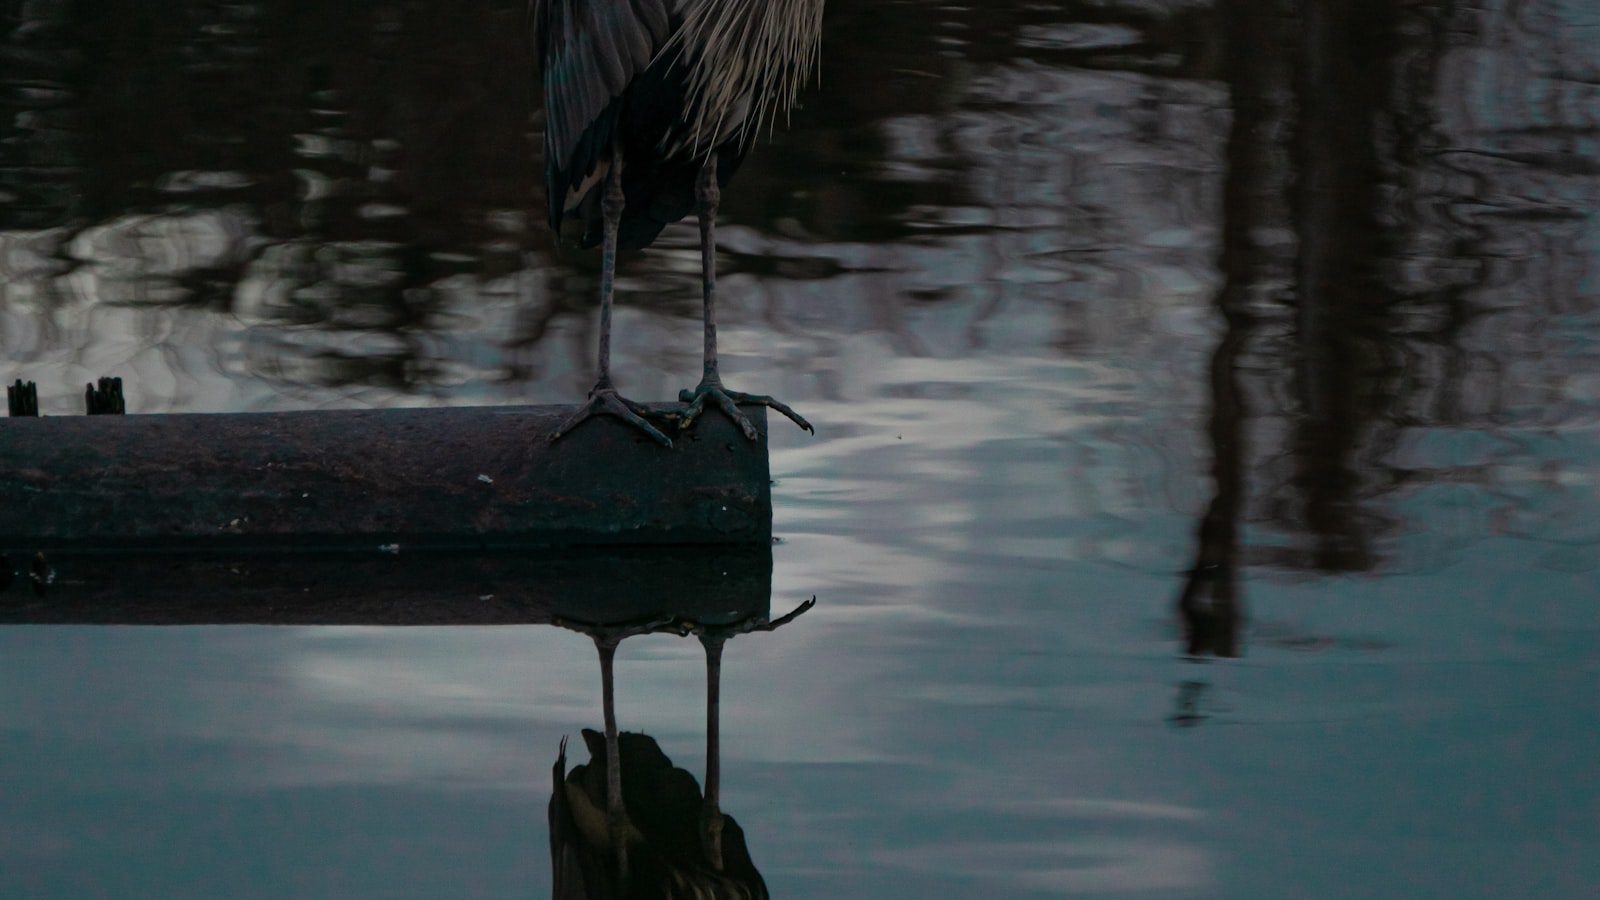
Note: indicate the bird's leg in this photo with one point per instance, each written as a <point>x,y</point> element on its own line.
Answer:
<point>604,399</point>
<point>711,820</point>
<point>708,195</point>
<point>616,813</point>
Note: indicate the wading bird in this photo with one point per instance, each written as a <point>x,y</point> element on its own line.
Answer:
<point>650,107</point>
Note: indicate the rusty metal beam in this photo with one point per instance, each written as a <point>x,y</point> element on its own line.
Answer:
<point>474,478</point>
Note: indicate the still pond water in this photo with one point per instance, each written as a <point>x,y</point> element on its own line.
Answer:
<point>1206,493</point>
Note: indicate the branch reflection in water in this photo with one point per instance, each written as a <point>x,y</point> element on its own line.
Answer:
<point>1338,347</point>
<point>1343,347</point>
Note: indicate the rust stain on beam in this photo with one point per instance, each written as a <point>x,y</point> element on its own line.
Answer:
<point>473,477</point>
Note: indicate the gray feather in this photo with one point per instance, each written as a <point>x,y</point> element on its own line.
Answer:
<point>590,50</point>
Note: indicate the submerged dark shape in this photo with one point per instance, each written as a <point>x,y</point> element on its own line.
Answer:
<point>662,827</point>
<point>650,107</point>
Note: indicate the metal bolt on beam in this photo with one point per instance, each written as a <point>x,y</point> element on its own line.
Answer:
<point>22,398</point>
<point>105,400</point>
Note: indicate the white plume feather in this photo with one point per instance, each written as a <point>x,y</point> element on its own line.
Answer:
<point>748,60</point>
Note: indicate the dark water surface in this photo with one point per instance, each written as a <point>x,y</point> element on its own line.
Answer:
<point>1136,333</point>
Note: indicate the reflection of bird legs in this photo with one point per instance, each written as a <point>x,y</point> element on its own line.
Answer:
<point>747,625</point>
<point>616,633</point>
<point>712,638</point>
<point>710,810</point>
<point>708,194</point>
<point>615,813</point>
<point>603,398</point>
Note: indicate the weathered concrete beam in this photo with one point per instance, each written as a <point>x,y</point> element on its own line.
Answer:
<point>588,589</point>
<point>481,477</point>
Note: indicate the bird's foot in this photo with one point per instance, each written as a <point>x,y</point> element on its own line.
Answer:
<point>727,401</point>
<point>604,400</point>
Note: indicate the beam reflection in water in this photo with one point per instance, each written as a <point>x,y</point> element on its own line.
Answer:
<point>627,824</point>
<point>408,588</point>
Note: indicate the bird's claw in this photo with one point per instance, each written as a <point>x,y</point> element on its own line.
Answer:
<point>728,401</point>
<point>606,401</point>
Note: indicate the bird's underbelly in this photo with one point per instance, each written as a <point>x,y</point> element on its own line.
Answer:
<point>662,156</point>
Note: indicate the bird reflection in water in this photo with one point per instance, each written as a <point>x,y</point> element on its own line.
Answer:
<point>631,824</point>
